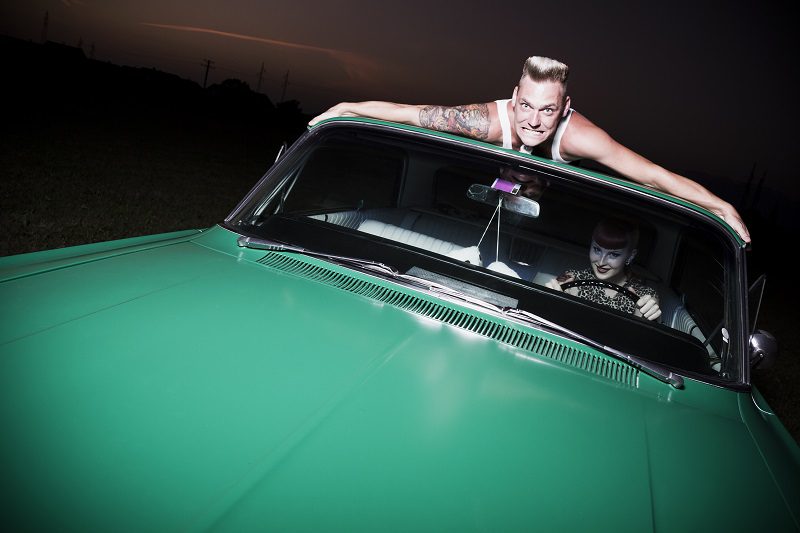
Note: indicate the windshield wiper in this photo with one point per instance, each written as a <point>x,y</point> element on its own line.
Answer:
<point>371,266</point>
<point>653,369</point>
<point>275,246</point>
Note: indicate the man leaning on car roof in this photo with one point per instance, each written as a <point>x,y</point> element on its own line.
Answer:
<point>538,119</point>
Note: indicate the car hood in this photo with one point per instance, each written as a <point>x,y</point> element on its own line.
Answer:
<point>188,386</point>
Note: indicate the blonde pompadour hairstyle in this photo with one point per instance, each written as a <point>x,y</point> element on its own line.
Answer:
<point>540,68</point>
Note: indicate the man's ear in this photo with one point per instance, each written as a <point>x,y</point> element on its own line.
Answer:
<point>514,97</point>
<point>567,102</point>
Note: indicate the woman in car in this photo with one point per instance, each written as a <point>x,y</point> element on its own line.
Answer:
<point>609,280</point>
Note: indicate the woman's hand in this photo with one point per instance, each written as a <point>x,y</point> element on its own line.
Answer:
<point>648,307</point>
<point>555,283</point>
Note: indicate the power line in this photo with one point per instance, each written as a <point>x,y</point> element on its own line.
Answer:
<point>285,83</point>
<point>45,23</point>
<point>260,75</point>
<point>208,63</point>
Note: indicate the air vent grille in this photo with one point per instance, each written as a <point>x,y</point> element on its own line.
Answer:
<point>563,353</point>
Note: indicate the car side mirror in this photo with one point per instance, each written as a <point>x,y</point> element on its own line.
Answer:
<point>763,350</point>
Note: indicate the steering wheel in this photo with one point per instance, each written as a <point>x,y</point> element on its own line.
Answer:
<point>602,284</point>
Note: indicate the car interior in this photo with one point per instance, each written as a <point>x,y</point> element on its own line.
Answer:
<point>433,198</point>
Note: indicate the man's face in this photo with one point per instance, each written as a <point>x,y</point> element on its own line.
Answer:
<point>538,106</point>
<point>609,264</point>
<point>532,186</point>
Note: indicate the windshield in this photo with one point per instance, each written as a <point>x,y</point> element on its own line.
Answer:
<point>619,267</point>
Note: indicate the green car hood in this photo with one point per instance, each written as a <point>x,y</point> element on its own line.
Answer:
<point>188,386</point>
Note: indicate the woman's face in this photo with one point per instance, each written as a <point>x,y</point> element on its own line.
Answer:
<point>609,264</point>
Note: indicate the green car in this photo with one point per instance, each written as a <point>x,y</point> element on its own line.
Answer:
<point>397,329</point>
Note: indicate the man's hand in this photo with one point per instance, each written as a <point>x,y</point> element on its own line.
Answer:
<point>648,307</point>
<point>339,110</point>
<point>731,216</point>
<point>388,111</point>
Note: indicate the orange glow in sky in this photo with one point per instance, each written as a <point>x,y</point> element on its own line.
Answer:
<point>357,66</point>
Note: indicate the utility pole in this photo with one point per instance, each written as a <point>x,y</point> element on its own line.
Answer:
<point>44,26</point>
<point>207,64</point>
<point>260,75</point>
<point>285,83</point>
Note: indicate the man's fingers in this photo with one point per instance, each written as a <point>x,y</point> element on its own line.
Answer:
<point>735,221</point>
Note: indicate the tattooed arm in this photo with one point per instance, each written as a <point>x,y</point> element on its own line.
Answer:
<point>478,121</point>
<point>405,114</point>
<point>467,120</point>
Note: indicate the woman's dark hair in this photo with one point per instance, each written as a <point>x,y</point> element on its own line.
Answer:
<point>615,233</point>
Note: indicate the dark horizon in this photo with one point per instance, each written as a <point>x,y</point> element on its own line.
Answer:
<point>752,190</point>
<point>696,87</point>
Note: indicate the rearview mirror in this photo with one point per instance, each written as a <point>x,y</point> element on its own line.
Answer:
<point>507,200</point>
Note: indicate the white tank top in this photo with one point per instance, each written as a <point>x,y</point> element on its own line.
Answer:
<point>505,125</point>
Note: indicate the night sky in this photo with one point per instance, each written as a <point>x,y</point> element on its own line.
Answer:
<point>699,87</point>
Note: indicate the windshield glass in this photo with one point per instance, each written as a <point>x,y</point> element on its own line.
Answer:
<point>617,266</point>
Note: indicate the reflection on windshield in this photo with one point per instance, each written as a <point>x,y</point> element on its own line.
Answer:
<point>531,185</point>
<point>755,294</point>
<point>490,222</point>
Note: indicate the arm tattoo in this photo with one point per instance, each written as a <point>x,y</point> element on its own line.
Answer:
<point>468,120</point>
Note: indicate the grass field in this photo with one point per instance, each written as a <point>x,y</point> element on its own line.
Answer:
<point>68,179</point>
